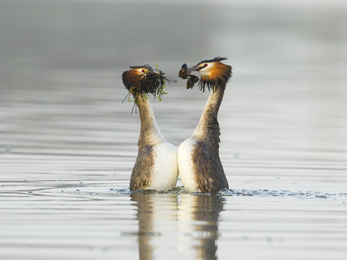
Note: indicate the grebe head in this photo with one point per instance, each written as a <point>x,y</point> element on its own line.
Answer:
<point>213,72</point>
<point>139,75</point>
<point>144,81</point>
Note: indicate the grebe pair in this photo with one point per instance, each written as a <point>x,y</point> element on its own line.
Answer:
<point>197,160</point>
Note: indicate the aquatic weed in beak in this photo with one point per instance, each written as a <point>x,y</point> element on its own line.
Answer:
<point>142,81</point>
<point>184,74</point>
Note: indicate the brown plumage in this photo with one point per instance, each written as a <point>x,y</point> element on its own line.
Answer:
<point>141,174</point>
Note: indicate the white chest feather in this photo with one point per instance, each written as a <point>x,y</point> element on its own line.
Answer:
<point>165,169</point>
<point>186,165</point>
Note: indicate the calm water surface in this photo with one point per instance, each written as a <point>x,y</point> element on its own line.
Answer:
<point>68,144</point>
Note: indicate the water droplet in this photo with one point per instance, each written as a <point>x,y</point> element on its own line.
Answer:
<point>225,192</point>
<point>246,193</point>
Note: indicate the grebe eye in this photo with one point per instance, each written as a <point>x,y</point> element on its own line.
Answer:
<point>205,65</point>
<point>142,70</point>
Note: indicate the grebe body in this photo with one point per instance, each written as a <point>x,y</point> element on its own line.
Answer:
<point>156,164</point>
<point>199,164</point>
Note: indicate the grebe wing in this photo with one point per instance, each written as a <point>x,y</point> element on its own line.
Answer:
<point>141,175</point>
<point>209,171</point>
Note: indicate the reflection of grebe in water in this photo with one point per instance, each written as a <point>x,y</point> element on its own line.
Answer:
<point>198,220</point>
<point>156,163</point>
<point>198,157</point>
<point>157,221</point>
<point>166,227</point>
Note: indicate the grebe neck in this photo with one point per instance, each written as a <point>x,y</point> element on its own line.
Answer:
<point>208,126</point>
<point>150,133</point>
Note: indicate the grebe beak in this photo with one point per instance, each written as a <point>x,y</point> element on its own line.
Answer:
<point>194,68</point>
<point>153,74</point>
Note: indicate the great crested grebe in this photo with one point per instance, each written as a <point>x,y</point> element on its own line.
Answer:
<point>156,163</point>
<point>199,164</point>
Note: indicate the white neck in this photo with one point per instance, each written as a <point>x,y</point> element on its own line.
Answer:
<point>208,125</point>
<point>150,132</point>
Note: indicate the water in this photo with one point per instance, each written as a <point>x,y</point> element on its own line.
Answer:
<point>68,144</point>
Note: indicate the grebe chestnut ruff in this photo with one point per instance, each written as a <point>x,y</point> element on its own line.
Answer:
<point>200,167</point>
<point>156,164</point>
